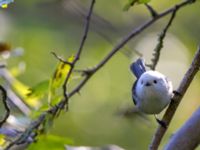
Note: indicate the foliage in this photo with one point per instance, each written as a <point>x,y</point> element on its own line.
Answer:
<point>50,142</point>
<point>133,2</point>
<point>58,80</point>
<point>4,3</point>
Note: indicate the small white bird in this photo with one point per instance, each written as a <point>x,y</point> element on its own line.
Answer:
<point>152,91</point>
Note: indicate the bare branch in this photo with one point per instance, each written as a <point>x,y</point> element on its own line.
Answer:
<point>61,59</point>
<point>87,25</point>
<point>186,81</point>
<point>140,29</point>
<point>187,137</point>
<point>4,99</point>
<point>57,108</point>
<point>161,38</point>
<point>23,138</point>
<point>132,34</point>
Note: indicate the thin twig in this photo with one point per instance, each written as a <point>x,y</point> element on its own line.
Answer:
<point>27,133</point>
<point>55,109</point>
<point>4,99</point>
<point>151,10</point>
<point>87,25</point>
<point>138,30</point>
<point>186,81</point>
<point>159,46</point>
<point>132,34</point>
<point>61,59</point>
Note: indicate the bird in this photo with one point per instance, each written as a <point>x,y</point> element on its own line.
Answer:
<point>152,91</point>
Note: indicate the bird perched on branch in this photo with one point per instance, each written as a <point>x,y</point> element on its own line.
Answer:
<point>152,91</point>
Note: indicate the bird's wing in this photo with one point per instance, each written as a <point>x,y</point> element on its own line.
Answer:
<point>138,67</point>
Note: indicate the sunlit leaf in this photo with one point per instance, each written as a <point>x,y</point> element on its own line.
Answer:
<point>4,6</point>
<point>58,79</point>
<point>56,99</point>
<point>61,72</point>
<point>39,90</point>
<point>23,90</point>
<point>133,2</point>
<point>4,3</point>
<point>50,142</point>
<point>2,139</point>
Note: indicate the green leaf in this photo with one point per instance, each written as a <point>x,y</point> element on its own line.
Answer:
<point>50,142</point>
<point>39,90</point>
<point>129,4</point>
<point>56,99</point>
<point>143,1</point>
<point>133,2</point>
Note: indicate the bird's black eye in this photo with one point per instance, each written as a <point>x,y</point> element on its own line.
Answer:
<point>154,81</point>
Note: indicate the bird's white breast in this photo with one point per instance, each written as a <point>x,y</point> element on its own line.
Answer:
<point>152,99</point>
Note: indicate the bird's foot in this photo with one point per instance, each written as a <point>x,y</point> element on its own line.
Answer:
<point>177,93</point>
<point>160,122</point>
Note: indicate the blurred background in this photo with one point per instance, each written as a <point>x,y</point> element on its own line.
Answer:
<point>101,114</point>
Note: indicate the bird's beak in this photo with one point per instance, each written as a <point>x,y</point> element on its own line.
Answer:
<point>148,84</point>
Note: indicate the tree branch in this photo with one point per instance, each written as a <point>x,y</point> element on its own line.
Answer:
<point>132,34</point>
<point>138,30</point>
<point>57,108</point>
<point>187,137</point>
<point>77,56</point>
<point>161,38</point>
<point>151,10</point>
<point>186,81</point>
<point>4,99</point>
<point>61,59</point>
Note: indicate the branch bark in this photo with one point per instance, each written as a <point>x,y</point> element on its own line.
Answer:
<point>159,46</point>
<point>4,99</point>
<point>188,136</point>
<point>126,39</point>
<point>186,81</point>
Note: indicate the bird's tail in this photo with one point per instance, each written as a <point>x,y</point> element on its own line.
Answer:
<point>138,67</point>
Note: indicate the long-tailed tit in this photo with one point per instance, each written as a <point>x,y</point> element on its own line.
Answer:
<point>152,91</point>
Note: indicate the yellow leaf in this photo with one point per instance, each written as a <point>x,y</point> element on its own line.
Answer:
<point>61,73</point>
<point>21,89</point>
<point>4,6</point>
<point>59,76</point>
<point>2,139</point>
